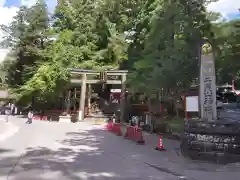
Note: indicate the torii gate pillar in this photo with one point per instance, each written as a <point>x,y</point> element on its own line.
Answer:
<point>82,98</point>
<point>122,101</point>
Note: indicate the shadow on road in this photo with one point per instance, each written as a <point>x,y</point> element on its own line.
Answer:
<point>2,151</point>
<point>92,155</point>
<point>82,155</point>
<point>69,159</point>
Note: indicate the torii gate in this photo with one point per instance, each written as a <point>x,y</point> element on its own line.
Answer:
<point>87,77</point>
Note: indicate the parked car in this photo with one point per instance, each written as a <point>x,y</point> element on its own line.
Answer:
<point>226,96</point>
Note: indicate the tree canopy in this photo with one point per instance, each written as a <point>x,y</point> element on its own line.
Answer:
<point>157,41</point>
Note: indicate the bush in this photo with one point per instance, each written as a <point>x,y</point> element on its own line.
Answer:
<point>175,125</point>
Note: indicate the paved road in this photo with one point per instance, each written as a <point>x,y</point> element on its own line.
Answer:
<point>230,111</point>
<point>45,150</point>
<point>7,129</point>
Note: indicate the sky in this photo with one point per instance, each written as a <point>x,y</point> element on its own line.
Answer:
<point>8,8</point>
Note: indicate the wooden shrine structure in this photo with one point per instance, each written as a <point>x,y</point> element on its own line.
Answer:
<point>86,78</point>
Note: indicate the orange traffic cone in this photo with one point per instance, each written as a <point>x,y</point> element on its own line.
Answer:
<point>160,146</point>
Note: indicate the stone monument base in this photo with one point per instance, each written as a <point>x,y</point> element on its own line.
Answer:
<point>66,118</point>
<point>217,141</point>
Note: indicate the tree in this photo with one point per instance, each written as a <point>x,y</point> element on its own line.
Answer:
<point>26,37</point>
<point>227,35</point>
<point>63,18</point>
<point>157,40</point>
<point>87,37</point>
<point>171,44</point>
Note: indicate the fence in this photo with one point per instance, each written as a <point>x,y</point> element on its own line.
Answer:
<point>133,133</point>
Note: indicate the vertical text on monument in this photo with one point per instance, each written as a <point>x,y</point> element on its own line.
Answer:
<point>208,86</point>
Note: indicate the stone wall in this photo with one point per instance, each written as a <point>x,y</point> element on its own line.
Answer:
<point>216,141</point>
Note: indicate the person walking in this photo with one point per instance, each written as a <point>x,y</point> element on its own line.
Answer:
<point>30,116</point>
<point>12,106</point>
<point>7,113</point>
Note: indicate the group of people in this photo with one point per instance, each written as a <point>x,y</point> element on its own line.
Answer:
<point>29,118</point>
<point>9,111</point>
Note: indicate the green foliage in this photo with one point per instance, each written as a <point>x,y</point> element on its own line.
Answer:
<point>175,125</point>
<point>168,50</point>
<point>79,35</point>
<point>157,41</point>
<point>26,36</point>
<point>227,35</point>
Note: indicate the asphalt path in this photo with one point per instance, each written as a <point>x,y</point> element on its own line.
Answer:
<point>45,150</point>
<point>81,151</point>
<point>230,111</point>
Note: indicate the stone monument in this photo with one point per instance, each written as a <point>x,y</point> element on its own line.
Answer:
<point>210,138</point>
<point>208,104</point>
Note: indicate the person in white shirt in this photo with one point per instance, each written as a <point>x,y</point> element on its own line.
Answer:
<point>30,116</point>
<point>12,109</point>
<point>7,113</point>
